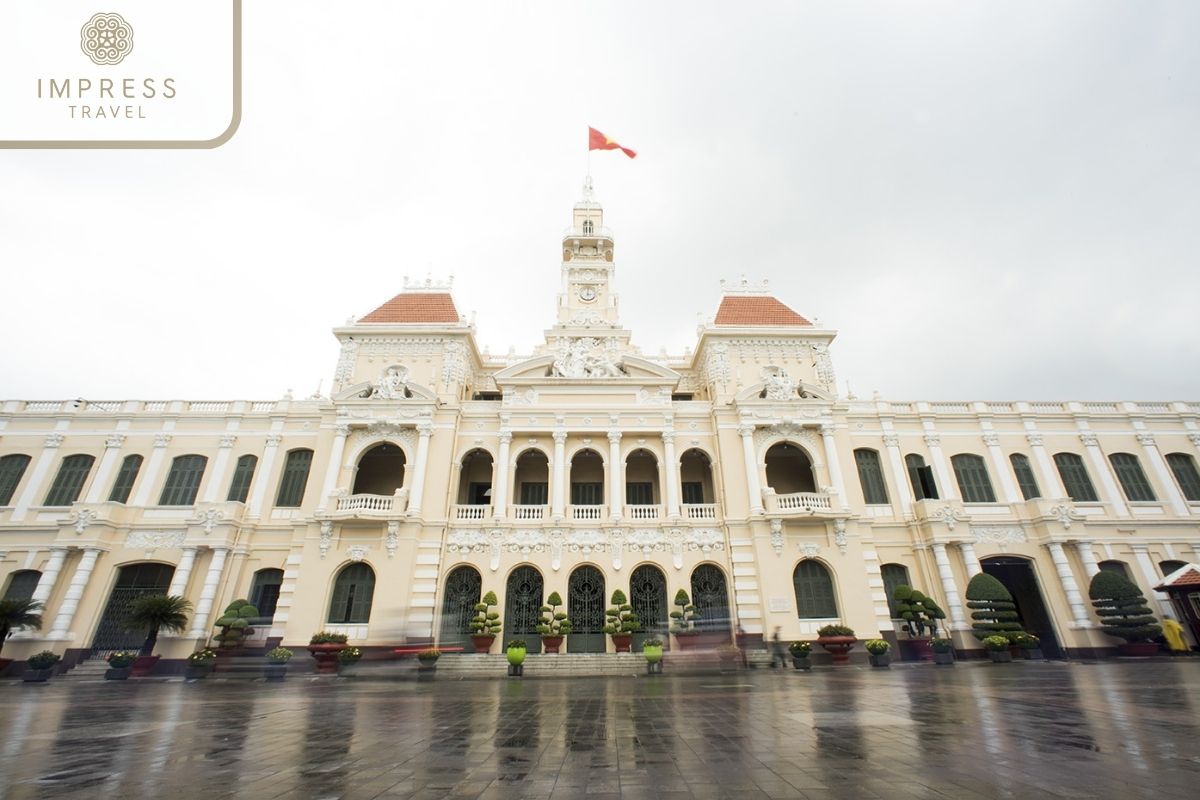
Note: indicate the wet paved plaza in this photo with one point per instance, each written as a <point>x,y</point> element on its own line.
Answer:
<point>1112,730</point>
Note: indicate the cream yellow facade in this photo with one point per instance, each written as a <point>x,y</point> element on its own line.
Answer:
<point>731,468</point>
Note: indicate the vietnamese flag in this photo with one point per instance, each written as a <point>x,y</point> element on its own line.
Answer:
<point>598,141</point>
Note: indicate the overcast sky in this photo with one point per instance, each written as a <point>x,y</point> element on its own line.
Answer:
<point>987,200</point>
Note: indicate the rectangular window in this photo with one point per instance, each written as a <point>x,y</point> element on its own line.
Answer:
<point>239,488</point>
<point>693,493</point>
<point>534,494</point>
<point>69,481</point>
<point>183,481</point>
<point>11,469</point>
<point>1133,480</point>
<point>1182,465</point>
<point>1075,478</point>
<point>920,477</point>
<point>587,494</point>
<point>479,494</point>
<point>870,476</point>
<point>1025,479</point>
<point>295,479</point>
<point>125,478</point>
<point>973,480</point>
<point>639,494</point>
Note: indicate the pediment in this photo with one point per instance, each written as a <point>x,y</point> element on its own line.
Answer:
<point>629,369</point>
<point>408,393</point>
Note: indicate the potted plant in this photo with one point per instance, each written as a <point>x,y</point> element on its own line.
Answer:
<point>997,647</point>
<point>837,640</point>
<point>800,652</point>
<point>427,663</point>
<point>17,615</point>
<point>515,653</point>
<point>1124,614</point>
<point>152,613</point>
<point>41,667</point>
<point>652,649</point>
<point>921,616</point>
<point>1031,646</point>
<point>485,625</point>
<point>235,624</point>
<point>943,651</point>
<point>277,659</point>
<point>324,647</point>
<point>877,652</point>
<point>684,621</point>
<point>622,623</point>
<point>993,612</point>
<point>347,661</point>
<point>554,624</point>
<point>200,664</point>
<point>120,664</point>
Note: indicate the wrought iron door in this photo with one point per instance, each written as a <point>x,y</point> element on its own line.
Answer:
<point>464,587</point>
<point>585,607</point>
<point>710,598</point>
<point>522,604</point>
<point>648,596</point>
<point>133,581</point>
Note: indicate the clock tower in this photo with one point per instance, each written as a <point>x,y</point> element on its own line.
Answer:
<point>586,299</point>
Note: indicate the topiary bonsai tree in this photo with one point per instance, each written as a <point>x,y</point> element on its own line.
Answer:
<point>685,617</point>
<point>1122,608</point>
<point>235,623</point>
<point>486,622</point>
<point>156,612</point>
<point>992,609</point>
<point>553,622</point>
<point>919,612</point>
<point>17,615</point>
<point>621,619</point>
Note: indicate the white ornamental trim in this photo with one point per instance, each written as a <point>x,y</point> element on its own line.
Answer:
<point>155,540</point>
<point>998,534</point>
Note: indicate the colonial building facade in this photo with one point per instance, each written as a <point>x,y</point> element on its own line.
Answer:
<point>434,473</point>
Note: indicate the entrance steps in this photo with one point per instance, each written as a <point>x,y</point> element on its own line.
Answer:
<point>474,665</point>
<point>90,669</point>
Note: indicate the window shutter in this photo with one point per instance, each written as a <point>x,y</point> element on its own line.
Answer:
<point>1025,478</point>
<point>69,481</point>
<point>1133,480</point>
<point>125,478</point>
<point>1182,465</point>
<point>294,480</point>
<point>1075,478</point>
<point>243,474</point>
<point>12,468</point>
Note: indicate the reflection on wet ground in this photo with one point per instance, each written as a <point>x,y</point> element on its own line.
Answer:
<point>1114,730</point>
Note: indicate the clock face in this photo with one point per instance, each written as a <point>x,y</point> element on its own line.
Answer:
<point>587,293</point>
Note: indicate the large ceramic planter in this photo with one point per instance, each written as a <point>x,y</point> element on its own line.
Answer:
<point>275,672</point>
<point>552,644</point>
<point>916,649</point>
<point>687,641</point>
<point>326,656</point>
<point>482,643</point>
<point>802,663</point>
<point>838,647</point>
<point>1000,656</point>
<point>426,668</point>
<point>944,659</point>
<point>37,675</point>
<point>1138,649</point>
<point>879,660</point>
<point>117,673</point>
<point>622,641</point>
<point>144,665</point>
<point>197,672</point>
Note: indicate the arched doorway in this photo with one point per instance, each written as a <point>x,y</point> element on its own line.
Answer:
<point>475,479</point>
<point>464,587</point>
<point>695,484</point>
<point>531,485</point>
<point>710,598</point>
<point>264,592</point>
<point>789,469</point>
<point>1018,577</point>
<point>813,585</point>
<point>648,596</point>
<point>641,484</point>
<point>133,581</point>
<point>522,605</point>
<point>353,594</point>
<point>587,484</point>
<point>380,470</point>
<point>585,607</point>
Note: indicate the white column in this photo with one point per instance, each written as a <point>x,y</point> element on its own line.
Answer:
<point>832,464</point>
<point>108,461</point>
<point>1178,504</point>
<point>1111,494</point>
<point>617,500</point>
<point>148,479</point>
<point>208,593</point>
<point>957,618</point>
<point>334,467</point>
<point>266,467</point>
<point>1150,574</point>
<point>903,492</point>
<point>1074,598</point>
<point>1003,469</point>
<point>1049,480</point>
<point>1088,557</point>
<point>500,482</point>
<point>558,490</point>
<point>746,431</point>
<point>45,584</point>
<point>179,580</point>
<point>216,480</point>
<point>948,487</point>
<point>416,495</point>
<point>38,476</point>
<point>969,559</point>
<point>672,471</point>
<point>66,610</point>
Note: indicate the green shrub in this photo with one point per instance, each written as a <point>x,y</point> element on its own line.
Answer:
<point>621,618</point>
<point>993,611</point>
<point>800,649</point>
<point>202,658</point>
<point>834,630</point>
<point>941,645</point>
<point>919,612</point>
<point>280,655</point>
<point>486,622</point>
<point>349,655</point>
<point>328,637</point>
<point>1027,641</point>
<point>429,654</point>
<point>652,641</point>
<point>1122,608</point>
<point>235,623</point>
<point>515,644</point>
<point>42,660</point>
<point>684,620</point>
<point>877,647</point>
<point>120,659</point>
<point>995,642</point>
<point>553,621</point>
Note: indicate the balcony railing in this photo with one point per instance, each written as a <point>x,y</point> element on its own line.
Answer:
<point>525,513</point>
<point>799,503</point>
<point>643,512</point>
<point>470,513</point>
<point>370,505</point>
<point>589,513</point>
<point>700,511</point>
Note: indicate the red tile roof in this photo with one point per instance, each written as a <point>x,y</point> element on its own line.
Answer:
<point>1190,577</point>
<point>413,307</point>
<point>756,310</point>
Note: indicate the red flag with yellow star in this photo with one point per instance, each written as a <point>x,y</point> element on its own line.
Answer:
<point>598,141</point>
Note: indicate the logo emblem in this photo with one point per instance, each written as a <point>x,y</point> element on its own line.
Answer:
<point>106,38</point>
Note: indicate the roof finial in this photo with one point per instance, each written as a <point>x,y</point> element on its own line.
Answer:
<point>588,195</point>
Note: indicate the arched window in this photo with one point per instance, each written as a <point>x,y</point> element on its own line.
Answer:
<point>789,469</point>
<point>587,479</point>
<point>11,469</point>
<point>1183,466</point>
<point>264,591</point>
<point>648,596</point>
<point>814,591</point>
<point>352,593</point>
<point>68,483</point>
<point>1025,479</point>
<point>522,600</point>
<point>183,481</point>
<point>295,478</point>
<point>894,575</point>
<point>920,477</point>
<point>380,470</point>
<point>641,478</point>
<point>123,485</point>
<point>532,480</point>
<point>870,475</point>
<point>21,584</point>
<point>973,480</point>
<point>1075,478</point>
<point>1167,567</point>
<point>475,479</point>
<point>243,474</point>
<point>1133,480</point>
<point>587,227</point>
<point>1119,567</point>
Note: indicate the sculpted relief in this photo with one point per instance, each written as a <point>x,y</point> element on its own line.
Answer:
<point>585,358</point>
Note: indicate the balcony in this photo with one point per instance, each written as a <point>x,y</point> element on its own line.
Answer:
<point>798,503</point>
<point>529,513</point>
<point>368,506</point>
<point>643,512</point>
<point>700,511</point>
<point>469,513</point>
<point>585,513</point>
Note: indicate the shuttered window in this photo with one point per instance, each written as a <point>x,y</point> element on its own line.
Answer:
<point>1182,465</point>
<point>11,469</point>
<point>1075,478</point>
<point>894,575</point>
<point>693,492</point>
<point>920,477</point>
<point>534,494</point>
<point>243,473</point>
<point>639,494</point>
<point>1133,480</point>
<point>352,594</point>
<point>183,481</point>
<point>295,478</point>
<point>68,483</point>
<point>814,591</point>
<point>973,480</point>
<point>21,584</point>
<point>1025,478</point>
<point>587,494</point>
<point>123,485</point>
<point>870,476</point>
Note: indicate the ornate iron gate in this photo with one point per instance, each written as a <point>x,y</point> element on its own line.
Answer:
<point>648,596</point>
<point>133,581</point>
<point>585,607</point>
<point>522,604</point>
<point>464,587</point>
<point>710,598</point>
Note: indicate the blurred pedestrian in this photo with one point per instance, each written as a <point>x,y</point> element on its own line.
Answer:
<point>777,652</point>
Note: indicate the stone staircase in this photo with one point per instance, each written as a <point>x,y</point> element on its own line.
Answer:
<point>90,669</point>
<point>541,665</point>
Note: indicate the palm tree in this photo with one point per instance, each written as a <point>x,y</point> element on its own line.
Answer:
<point>17,615</point>
<point>156,612</point>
